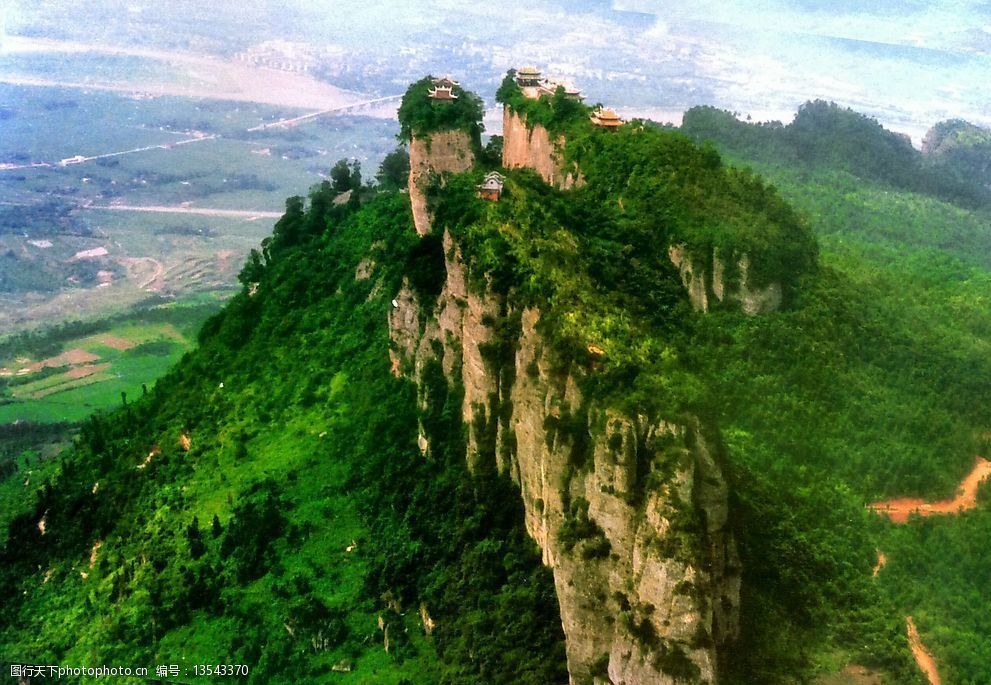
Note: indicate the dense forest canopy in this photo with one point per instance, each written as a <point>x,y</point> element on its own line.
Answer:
<point>874,384</point>
<point>824,135</point>
<point>301,514</point>
<point>267,499</point>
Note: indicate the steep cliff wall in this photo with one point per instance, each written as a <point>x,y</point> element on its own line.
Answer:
<point>705,280</point>
<point>534,149</point>
<point>443,151</point>
<point>630,513</point>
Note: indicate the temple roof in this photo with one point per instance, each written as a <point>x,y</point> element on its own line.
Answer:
<point>445,82</point>
<point>605,117</point>
<point>493,181</point>
<point>441,93</point>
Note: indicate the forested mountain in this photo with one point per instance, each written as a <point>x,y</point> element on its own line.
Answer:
<point>877,381</point>
<point>618,426</point>
<point>825,136</point>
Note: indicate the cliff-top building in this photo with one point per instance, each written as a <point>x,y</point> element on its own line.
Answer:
<point>534,86</point>
<point>445,82</point>
<point>442,93</point>
<point>528,77</point>
<point>606,118</point>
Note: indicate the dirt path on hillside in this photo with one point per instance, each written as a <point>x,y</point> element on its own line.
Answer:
<point>882,561</point>
<point>898,510</point>
<point>922,656</point>
<point>147,272</point>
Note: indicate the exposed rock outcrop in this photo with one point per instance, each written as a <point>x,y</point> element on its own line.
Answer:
<point>440,152</point>
<point>630,512</point>
<point>532,147</point>
<point>962,147</point>
<point>707,282</point>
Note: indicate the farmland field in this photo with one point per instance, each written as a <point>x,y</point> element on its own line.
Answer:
<point>81,374</point>
<point>74,244</point>
<point>74,241</point>
<point>133,182</point>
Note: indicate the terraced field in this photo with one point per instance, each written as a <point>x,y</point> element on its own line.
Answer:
<point>90,372</point>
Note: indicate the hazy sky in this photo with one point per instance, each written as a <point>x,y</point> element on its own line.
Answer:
<point>910,63</point>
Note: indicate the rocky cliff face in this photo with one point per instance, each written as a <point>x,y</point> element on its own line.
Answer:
<point>534,149</point>
<point>707,282</point>
<point>629,512</point>
<point>445,151</point>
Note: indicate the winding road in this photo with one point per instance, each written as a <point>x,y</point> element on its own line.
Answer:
<point>922,656</point>
<point>898,510</point>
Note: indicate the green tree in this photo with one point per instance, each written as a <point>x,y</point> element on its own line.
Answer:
<point>393,173</point>
<point>492,155</point>
<point>196,547</point>
<point>346,175</point>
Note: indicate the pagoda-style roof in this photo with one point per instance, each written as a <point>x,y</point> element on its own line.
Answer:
<point>445,82</point>
<point>441,93</point>
<point>528,76</point>
<point>492,181</point>
<point>606,118</point>
<point>491,187</point>
<point>534,86</point>
<point>571,92</point>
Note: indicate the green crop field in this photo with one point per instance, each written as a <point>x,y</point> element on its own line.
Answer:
<point>66,260</point>
<point>89,372</point>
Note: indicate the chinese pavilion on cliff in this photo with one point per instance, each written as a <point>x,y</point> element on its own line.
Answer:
<point>445,82</point>
<point>528,77</point>
<point>534,86</point>
<point>443,89</point>
<point>606,118</point>
<point>441,93</point>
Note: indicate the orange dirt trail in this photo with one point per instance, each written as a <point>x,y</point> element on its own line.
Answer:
<point>898,510</point>
<point>921,654</point>
<point>882,559</point>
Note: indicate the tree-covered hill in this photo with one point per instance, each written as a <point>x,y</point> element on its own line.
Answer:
<point>875,383</point>
<point>267,502</point>
<point>960,149</point>
<point>420,115</point>
<point>825,136</point>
